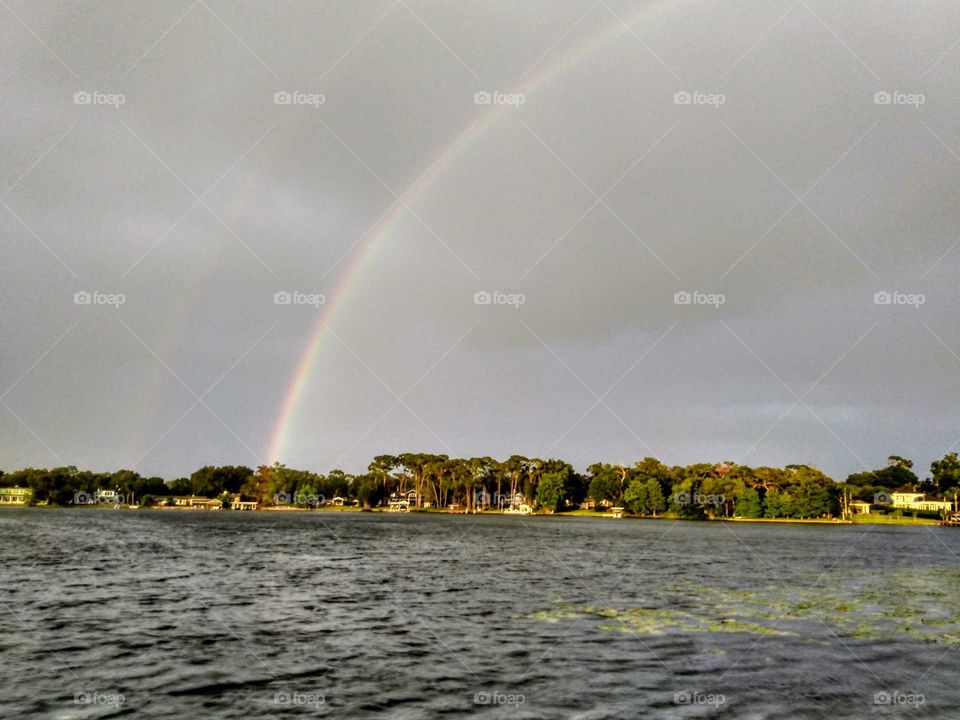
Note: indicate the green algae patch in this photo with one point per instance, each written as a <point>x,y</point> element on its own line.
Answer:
<point>920,604</point>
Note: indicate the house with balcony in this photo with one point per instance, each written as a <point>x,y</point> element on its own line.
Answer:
<point>238,503</point>
<point>910,500</point>
<point>15,496</point>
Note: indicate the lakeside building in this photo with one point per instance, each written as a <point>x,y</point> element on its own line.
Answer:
<point>236,503</point>
<point>197,502</point>
<point>107,497</point>
<point>402,502</point>
<point>859,507</point>
<point>911,500</point>
<point>15,496</point>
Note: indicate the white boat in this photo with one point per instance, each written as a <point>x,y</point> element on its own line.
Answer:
<point>522,509</point>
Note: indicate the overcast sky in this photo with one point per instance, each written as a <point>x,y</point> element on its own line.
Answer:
<point>145,158</point>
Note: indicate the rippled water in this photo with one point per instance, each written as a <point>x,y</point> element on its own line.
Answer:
<point>361,615</point>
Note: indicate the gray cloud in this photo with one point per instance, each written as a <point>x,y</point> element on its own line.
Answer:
<point>398,198</point>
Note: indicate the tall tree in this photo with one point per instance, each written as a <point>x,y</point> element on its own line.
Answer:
<point>945,472</point>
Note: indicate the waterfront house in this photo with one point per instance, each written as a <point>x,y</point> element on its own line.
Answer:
<point>910,500</point>
<point>337,501</point>
<point>905,498</point>
<point>107,497</point>
<point>193,501</point>
<point>15,496</point>
<point>859,507</point>
<point>398,502</point>
<point>236,503</point>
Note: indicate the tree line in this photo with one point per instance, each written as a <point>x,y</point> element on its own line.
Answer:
<point>646,488</point>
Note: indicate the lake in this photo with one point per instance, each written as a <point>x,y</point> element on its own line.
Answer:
<point>362,615</point>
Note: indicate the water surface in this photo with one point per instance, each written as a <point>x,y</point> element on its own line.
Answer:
<point>361,615</point>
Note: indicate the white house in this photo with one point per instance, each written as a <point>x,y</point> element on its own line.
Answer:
<point>909,500</point>
<point>15,496</point>
<point>107,497</point>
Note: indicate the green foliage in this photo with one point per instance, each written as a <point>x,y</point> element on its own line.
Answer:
<point>605,484</point>
<point>812,500</point>
<point>551,491</point>
<point>748,504</point>
<point>644,497</point>
<point>211,481</point>
<point>778,504</point>
<point>889,478</point>
<point>683,499</point>
<point>477,483</point>
<point>945,473</point>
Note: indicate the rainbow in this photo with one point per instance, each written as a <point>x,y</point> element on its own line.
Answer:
<point>374,238</point>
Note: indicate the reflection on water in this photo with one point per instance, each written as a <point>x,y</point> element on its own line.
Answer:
<point>229,615</point>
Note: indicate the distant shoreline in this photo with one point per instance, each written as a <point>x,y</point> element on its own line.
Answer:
<point>865,519</point>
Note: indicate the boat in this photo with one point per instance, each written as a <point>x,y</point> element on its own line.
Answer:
<point>951,520</point>
<point>522,509</point>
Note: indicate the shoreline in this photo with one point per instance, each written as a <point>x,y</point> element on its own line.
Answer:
<point>866,519</point>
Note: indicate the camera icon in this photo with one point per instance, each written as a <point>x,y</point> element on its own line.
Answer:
<point>83,498</point>
<point>82,298</point>
<point>281,697</point>
<point>682,697</point>
<point>682,298</point>
<point>481,698</point>
<point>882,698</point>
<point>282,298</point>
<point>82,97</point>
<point>882,98</point>
<point>882,298</point>
<point>282,98</point>
<point>282,498</point>
<point>682,98</point>
<point>482,298</point>
<point>482,98</point>
<point>882,498</point>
